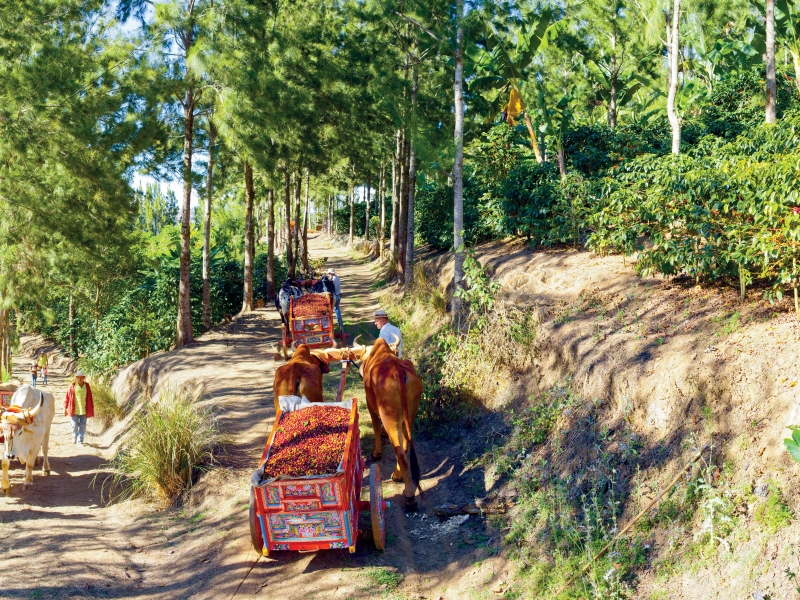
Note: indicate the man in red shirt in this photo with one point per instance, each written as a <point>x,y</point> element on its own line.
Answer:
<point>78,405</point>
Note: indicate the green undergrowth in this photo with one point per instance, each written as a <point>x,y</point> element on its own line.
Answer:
<point>579,477</point>
<point>382,580</point>
<point>461,368</point>
<point>773,514</point>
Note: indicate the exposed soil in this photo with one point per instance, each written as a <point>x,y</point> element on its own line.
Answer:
<point>62,540</point>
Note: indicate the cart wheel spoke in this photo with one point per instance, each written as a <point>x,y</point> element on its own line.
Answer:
<point>377,507</point>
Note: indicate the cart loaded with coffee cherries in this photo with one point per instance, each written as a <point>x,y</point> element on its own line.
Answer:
<point>310,322</point>
<point>306,493</point>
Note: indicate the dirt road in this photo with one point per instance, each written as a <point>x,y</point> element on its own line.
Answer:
<point>61,540</point>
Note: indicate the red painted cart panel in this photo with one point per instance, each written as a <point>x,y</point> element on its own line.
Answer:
<point>311,513</point>
<point>313,326</point>
<point>5,401</point>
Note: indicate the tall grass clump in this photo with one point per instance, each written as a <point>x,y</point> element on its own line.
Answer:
<point>106,407</point>
<point>170,442</point>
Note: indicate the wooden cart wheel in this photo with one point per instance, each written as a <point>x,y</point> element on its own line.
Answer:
<point>376,507</point>
<point>255,527</point>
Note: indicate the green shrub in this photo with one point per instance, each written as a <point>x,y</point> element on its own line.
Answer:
<point>169,443</point>
<point>773,514</point>
<point>383,579</point>
<point>729,216</point>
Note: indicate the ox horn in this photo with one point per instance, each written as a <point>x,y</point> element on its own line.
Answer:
<point>396,340</point>
<point>356,345</point>
<point>36,410</point>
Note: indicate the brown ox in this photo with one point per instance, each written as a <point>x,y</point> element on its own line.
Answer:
<point>301,376</point>
<point>393,394</point>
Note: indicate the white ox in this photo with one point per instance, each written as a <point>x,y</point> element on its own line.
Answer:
<point>26,428</point>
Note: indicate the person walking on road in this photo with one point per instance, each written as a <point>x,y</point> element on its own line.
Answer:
<point>43,366</point>
<point>34,372</point>
<point>388,331</point>
<point>79,405</point>
<point>337,284</point>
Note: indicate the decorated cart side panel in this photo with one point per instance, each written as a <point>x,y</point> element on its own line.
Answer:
<point>5,402</point>
<point>315,512</point>
<point>311,320</point>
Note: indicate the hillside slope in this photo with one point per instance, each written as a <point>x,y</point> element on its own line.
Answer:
<point>661,367</point>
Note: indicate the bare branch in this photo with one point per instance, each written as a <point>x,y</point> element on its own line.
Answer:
<point>421,26</point>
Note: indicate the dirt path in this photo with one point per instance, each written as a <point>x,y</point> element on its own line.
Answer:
<point>60,540</point>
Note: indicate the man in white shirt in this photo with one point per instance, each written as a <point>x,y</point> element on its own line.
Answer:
<point>337,296</point>
<point>388,331</point>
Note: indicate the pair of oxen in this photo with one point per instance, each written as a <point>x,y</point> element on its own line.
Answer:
<point>25,427</point>
<point>393,393</point>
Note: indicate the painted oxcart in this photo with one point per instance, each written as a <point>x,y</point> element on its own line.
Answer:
<point>321,511</point>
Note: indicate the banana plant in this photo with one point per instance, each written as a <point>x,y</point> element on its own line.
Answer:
<point>556,120</point>
<point>642,107</point>
<point>612,89</point>
<point>725,55</point>
<point>504,63</point>
<point>787,26</point>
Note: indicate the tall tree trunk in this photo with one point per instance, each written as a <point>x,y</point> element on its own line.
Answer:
<point>329,213</point>
<point>288,225</point>
<point>97,290</point>
<point>562,166</point>
<point>412,180</point>
<point>3,343</point>
<point>259,228</point>
<point>366,225</point>
<point>71,318</point>
<point>352,215</point>
<point>212,133</point>
<point>297,224</point>
<point>382,208</point>
<point>402,210</point>
<point>458,165</point>
<point>5,350</point>
<point>672,52</point>
<point>613,80</point>
<point>184,330</point>
<point>409,247</point>
<point>270,244</point>
<point>249,234</point>
<point>770,56</point>
<point>395,195</point>
<point>305,226</point>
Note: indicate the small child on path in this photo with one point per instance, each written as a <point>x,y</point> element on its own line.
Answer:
<point>43,366</point>
<point>34,373</point>
<point>78,405</point>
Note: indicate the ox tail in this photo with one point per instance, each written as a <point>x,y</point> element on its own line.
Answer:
<point>416,474</point>
<point>295,384</point>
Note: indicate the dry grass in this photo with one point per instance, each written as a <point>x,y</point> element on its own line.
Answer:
<point>462,372</point>
<point>107,409</point>
<point>170,442</point>
<point>500,344</point>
